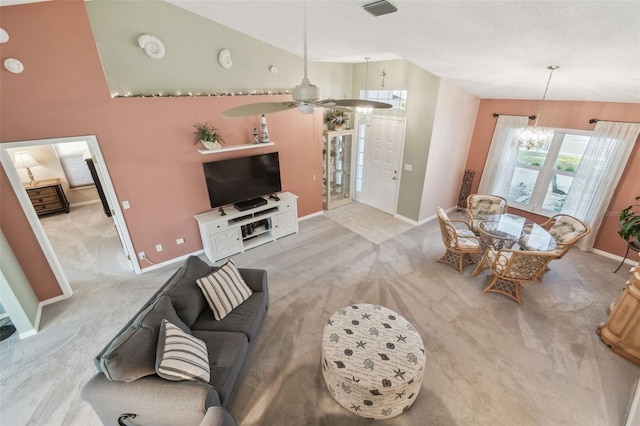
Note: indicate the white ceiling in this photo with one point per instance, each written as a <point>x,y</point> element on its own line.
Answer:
<point>493,49</point>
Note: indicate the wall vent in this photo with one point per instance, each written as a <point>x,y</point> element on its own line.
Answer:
<point>379,8</point>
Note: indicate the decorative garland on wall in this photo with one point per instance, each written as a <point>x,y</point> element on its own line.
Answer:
<point>192,94</point>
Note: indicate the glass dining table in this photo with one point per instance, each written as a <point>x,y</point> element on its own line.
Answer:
<point>514,232</point>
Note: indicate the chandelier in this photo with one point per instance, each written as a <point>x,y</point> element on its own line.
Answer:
<point>531,137</point>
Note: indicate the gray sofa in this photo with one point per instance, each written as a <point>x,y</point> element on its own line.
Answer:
<point>126,385</point>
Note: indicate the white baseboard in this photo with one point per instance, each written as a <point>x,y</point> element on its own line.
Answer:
<point>84,203</point>
<point>155,266</point>
<point>309,216</point>
<point>406,219</point>
<point>435,216</point>
<point>615,257</point>
<point>29,333</point>
<point>41,305</point>
<point>633,419</point>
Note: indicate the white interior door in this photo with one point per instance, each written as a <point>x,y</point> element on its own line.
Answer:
<point>380,143</point>
<point>105,179</point>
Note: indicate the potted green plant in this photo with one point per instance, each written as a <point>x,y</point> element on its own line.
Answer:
<point>338,119</point>
<point>208,135</point>
<point>630,223</point>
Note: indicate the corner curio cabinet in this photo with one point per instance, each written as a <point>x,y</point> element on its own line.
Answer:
<point>336,168</point>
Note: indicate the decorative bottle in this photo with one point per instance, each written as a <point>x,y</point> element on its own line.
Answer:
<point>265,132</point>
<point>255,136</point>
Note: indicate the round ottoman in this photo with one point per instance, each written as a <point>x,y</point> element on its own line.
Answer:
<point>372,361</point>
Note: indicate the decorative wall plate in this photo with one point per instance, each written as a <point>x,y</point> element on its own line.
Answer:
<point>224,58</point>
<point>4,36</point>
<point>152,46</point>
<point>13,65</point>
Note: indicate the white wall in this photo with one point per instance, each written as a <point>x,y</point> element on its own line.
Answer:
<point>454,119</point>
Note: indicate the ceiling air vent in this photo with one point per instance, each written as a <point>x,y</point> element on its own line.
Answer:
<point>379,8</point>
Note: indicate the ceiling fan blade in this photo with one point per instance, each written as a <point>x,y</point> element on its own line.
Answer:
<point>330,103</point>
<point>258,109</point>
<point>358,103</point>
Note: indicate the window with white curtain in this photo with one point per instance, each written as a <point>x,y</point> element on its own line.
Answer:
<point>542,177</point>
<point>575,175</point>
<point>72,158</point>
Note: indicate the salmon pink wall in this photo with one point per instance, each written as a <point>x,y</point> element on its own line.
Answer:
<point>566,115</point>
<point>147,143</point>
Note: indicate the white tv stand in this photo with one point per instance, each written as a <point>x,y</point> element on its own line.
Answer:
<point>237,231</point>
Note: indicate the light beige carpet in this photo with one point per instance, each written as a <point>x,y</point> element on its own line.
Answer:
<point>489,360</point>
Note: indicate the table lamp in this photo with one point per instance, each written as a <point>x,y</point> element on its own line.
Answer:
<point>24,160</point>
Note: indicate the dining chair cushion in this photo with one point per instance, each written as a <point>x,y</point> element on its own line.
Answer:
<point>462,233</point>
<point>468,243</point>
<point>556,252</point>
<point>502,261</point>
<point>567,229</point>
<point>466,238</point>
<point>486,206</point>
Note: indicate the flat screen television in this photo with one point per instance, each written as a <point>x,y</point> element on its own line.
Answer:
<point>242,181</point>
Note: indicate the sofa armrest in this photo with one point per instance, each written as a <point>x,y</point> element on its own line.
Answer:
<point>218,416</point>
<point>256,279</point>
<point>153,400</point>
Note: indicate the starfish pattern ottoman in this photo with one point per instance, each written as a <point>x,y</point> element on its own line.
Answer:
<point>372,360</point>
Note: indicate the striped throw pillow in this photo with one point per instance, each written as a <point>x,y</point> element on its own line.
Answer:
<point>224,289</point>
<point>180,356</point>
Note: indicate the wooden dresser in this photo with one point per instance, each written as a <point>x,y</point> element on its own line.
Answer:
<point>621,331</point>
<point>47,197</point>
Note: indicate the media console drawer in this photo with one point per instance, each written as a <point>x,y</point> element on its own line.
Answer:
<point>237,231</point>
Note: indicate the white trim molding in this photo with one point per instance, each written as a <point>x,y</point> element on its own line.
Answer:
<point>633,419</point>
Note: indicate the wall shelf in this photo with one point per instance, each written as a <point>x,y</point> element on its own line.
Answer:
<point>235,147</point>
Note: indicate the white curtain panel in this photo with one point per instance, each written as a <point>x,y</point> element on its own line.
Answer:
<point>501,161</point>
<point>598,174</point>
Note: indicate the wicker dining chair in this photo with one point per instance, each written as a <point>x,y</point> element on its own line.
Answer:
<point>462,245</point>
<point>512,267</point>
<point>481,207</point>
<point>566,231</point>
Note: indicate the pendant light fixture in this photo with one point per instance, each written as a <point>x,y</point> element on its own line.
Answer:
<point>534,137</point>
<point>364,112</point>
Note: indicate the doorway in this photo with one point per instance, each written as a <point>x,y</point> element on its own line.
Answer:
<point>34,220</point>
<point>379,146</point>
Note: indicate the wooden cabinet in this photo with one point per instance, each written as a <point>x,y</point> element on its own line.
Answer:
<point>47,197</point>
<point>621,331</point>
<point>336,168</point>
<point>237,231</point>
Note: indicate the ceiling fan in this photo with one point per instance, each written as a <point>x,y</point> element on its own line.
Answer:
<point>306,96</point>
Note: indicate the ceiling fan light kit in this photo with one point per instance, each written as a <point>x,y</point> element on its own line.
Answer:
<point>306,92</point>
<point>306,96</point>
